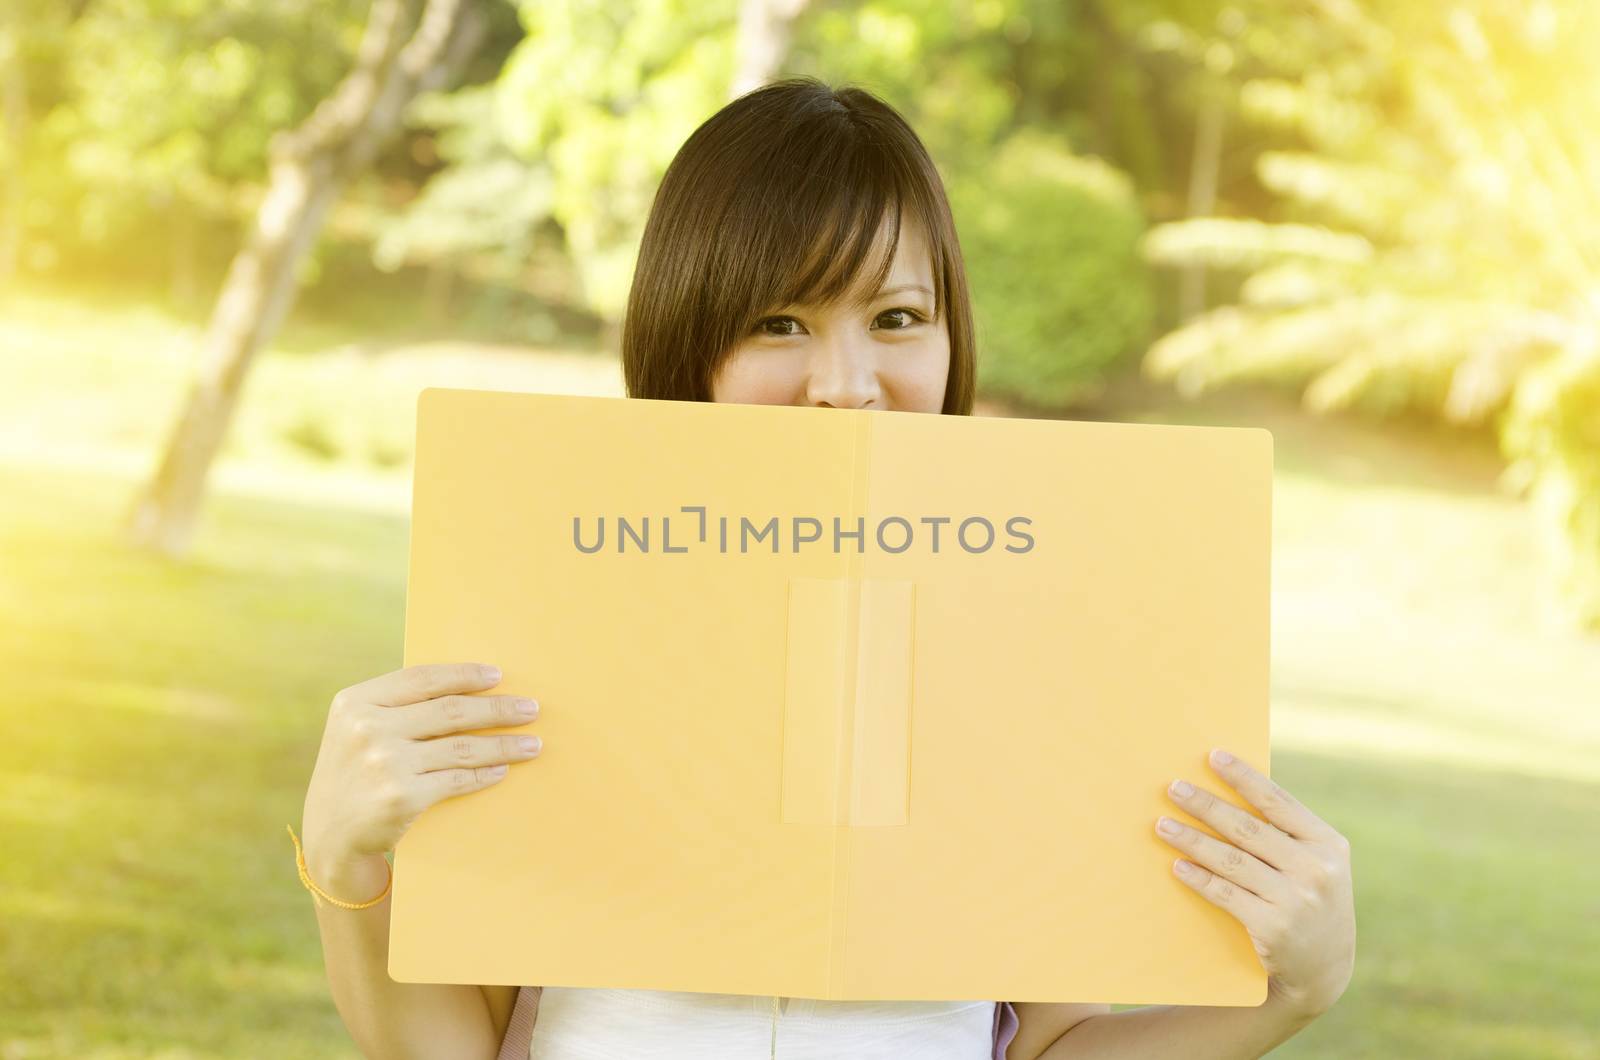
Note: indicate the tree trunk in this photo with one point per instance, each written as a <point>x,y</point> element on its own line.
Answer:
<point>762,41</point>
<point>308,169</point>
<point>1203,172</point>
<point>182,281</point>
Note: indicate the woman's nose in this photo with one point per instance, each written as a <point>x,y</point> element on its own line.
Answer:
<point>844,375</point>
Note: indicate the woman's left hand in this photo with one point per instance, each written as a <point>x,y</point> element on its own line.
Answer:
<point>1286,879</point>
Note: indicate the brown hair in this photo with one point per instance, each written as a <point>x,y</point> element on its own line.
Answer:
<point>776,200</point>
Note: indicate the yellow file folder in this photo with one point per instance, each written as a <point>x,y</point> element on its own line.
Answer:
<point>919,762</point>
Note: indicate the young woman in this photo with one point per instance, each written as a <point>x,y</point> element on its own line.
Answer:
<point>800,251</point>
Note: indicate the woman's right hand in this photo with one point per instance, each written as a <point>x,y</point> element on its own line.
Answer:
<point>396,744</point>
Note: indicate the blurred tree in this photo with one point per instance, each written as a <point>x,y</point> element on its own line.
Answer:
<point>402,53</point>
<point>1051,242</point>
<point>604,92</point>
<point>1437,247</point>
<point>152,117</point>
<point>32,38</point>
<point>480,213</point>
<point>762,42</point>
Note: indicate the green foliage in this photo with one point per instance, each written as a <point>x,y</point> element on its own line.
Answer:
<point>944,66</point>
<point>604,95</point>
<point>487,201</point>
<point>1553,435</point>
<point>152,105</point>
<point>1051,244</point>
<point>1436,245</point>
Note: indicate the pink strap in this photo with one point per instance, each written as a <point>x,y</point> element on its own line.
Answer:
<point>1006,1023</point>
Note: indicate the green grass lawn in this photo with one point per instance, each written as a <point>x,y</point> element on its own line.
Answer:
<point>163,717</point>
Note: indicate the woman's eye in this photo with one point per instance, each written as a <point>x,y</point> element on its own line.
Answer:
<point>902,318</point>
<point>911,317</point>
<point>762,327</point>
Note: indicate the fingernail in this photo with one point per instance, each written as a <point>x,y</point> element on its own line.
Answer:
<point>499,770</point>
<point>1221,757</point>
<point>491,673</point>
<point>1182,788</point>
<point>528,743</point>
<point>1183,867</point>
<point>529,707</point>
<point>1168,826</point>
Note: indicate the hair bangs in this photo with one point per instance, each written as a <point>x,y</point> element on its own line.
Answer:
<point>837,235</point>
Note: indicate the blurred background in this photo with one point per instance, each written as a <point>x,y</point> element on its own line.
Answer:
<point>237,236</point>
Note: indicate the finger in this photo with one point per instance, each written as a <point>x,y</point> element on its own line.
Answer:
<point>1240,827</point>
<point>1261,791</point>
<point>451,752</point>
<point>417,683</point>
<point>1245,907</point>
<point>1224,859</point>
<point>447,714</point>
<point>442,784</point>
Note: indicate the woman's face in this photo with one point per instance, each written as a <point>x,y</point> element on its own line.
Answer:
<point>890,355</point>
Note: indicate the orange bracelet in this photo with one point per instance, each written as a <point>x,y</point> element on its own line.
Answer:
<point>305,878</point>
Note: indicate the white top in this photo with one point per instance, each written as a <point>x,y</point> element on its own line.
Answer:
<point>594,1024</point>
